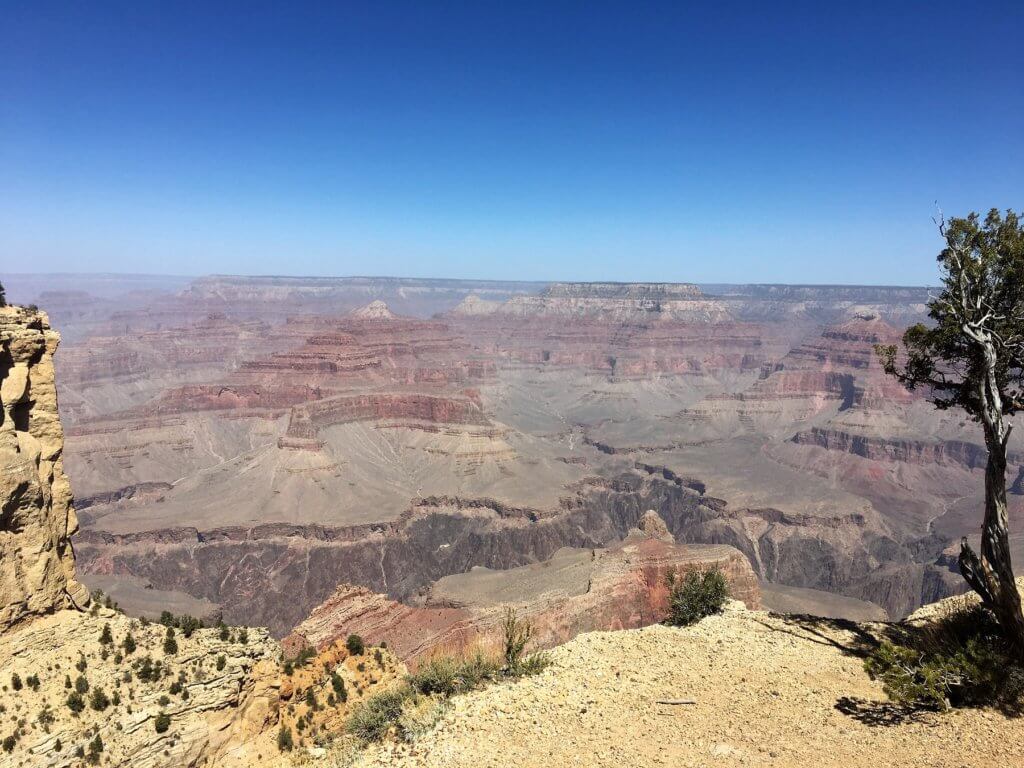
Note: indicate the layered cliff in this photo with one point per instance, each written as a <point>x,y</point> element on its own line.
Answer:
<point>577,590</point>
<point>37,518</point>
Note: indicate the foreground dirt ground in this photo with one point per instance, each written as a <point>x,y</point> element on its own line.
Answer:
<point>769,691</point>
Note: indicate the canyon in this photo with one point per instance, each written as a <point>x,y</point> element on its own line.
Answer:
<point>231,696</point>
<point>253,443</point>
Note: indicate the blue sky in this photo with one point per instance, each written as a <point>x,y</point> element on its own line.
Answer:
<point>768,142</point>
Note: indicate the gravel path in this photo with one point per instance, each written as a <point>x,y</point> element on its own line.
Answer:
<point>766,688</point>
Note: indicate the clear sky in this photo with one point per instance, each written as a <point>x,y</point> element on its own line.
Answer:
<point>762,141</point>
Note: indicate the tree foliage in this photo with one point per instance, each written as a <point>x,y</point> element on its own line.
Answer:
<point>982,297</point>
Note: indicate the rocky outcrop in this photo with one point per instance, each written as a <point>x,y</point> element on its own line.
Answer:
<point>37,518</point>
<point>226,691</point>
<point>624,586</point>
<point>375,310</point>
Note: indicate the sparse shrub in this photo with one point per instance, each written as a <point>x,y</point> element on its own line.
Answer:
<point>285,743</point>
<point>170,644</point>
<point>16,681</point>
<point>355,645</point>
<point>375,716</point>
<point>162,722</point>
<point>167,619</point>
<point>81,664</point>
<point>33,682</point>
<point>221,661</point>
<point>243,636</point>
<point>9,741</point>
<point>224,633</point>
<point>516,635</point>
<point>696,595</point>
<point>960,658</point>
<point>447,676</point>
<point>311,700</point>
<point>67,681</point>
<point>57,746</point>
<point>378,657</point>
<point>163,701</point>
<point>534,664</point>
<point>81,685</point>
<point>106,638</point>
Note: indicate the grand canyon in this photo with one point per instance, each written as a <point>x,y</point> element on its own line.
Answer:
<point>272,450</point>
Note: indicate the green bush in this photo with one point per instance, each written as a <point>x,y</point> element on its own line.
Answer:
<point>75,702</point>
<point>957,659</point>
<point>106,638</point>
<point>448,676</point>
<point>375,716</point>
<point>98,699</point>
<point>355,645</point>
<point>16,681</point>
<point>339,687</point>
<point>162,722</point>
<point>285,743</point>
<point>696,595</point>
<point>517,635</point>
<point>81,685</point>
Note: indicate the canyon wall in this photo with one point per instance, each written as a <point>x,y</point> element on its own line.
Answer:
<point>37,519</point>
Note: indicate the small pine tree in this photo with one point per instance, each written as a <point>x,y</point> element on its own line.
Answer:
<point>162,722</point>
<point>81,685</point>
<point>355,645</point>
<point>129,644</point>
<point>170,645</point>
<point>98,699</point>
<point>95,748</point>
<point>75,702</point>
<point>16,681</point>
<point>339,687</point>
<point>105,637</point>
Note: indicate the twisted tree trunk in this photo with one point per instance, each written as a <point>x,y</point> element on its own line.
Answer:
<point>991,575</point>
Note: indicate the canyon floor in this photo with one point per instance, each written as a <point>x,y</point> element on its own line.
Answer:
<point>769,691</point>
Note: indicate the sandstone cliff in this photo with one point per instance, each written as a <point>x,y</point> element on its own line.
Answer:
<point>36,516</point>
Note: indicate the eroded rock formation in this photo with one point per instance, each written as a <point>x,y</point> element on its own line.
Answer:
<point>577,590</point>
<point>37,519</point>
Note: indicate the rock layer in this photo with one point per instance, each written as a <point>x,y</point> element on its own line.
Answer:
<point>622,587</point>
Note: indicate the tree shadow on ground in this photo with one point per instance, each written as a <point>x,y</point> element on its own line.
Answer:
<point>848,637</point>
<point>880,713</point>
<point>861,641</point>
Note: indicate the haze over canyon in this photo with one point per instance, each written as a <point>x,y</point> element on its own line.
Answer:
<point>241,446</point>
